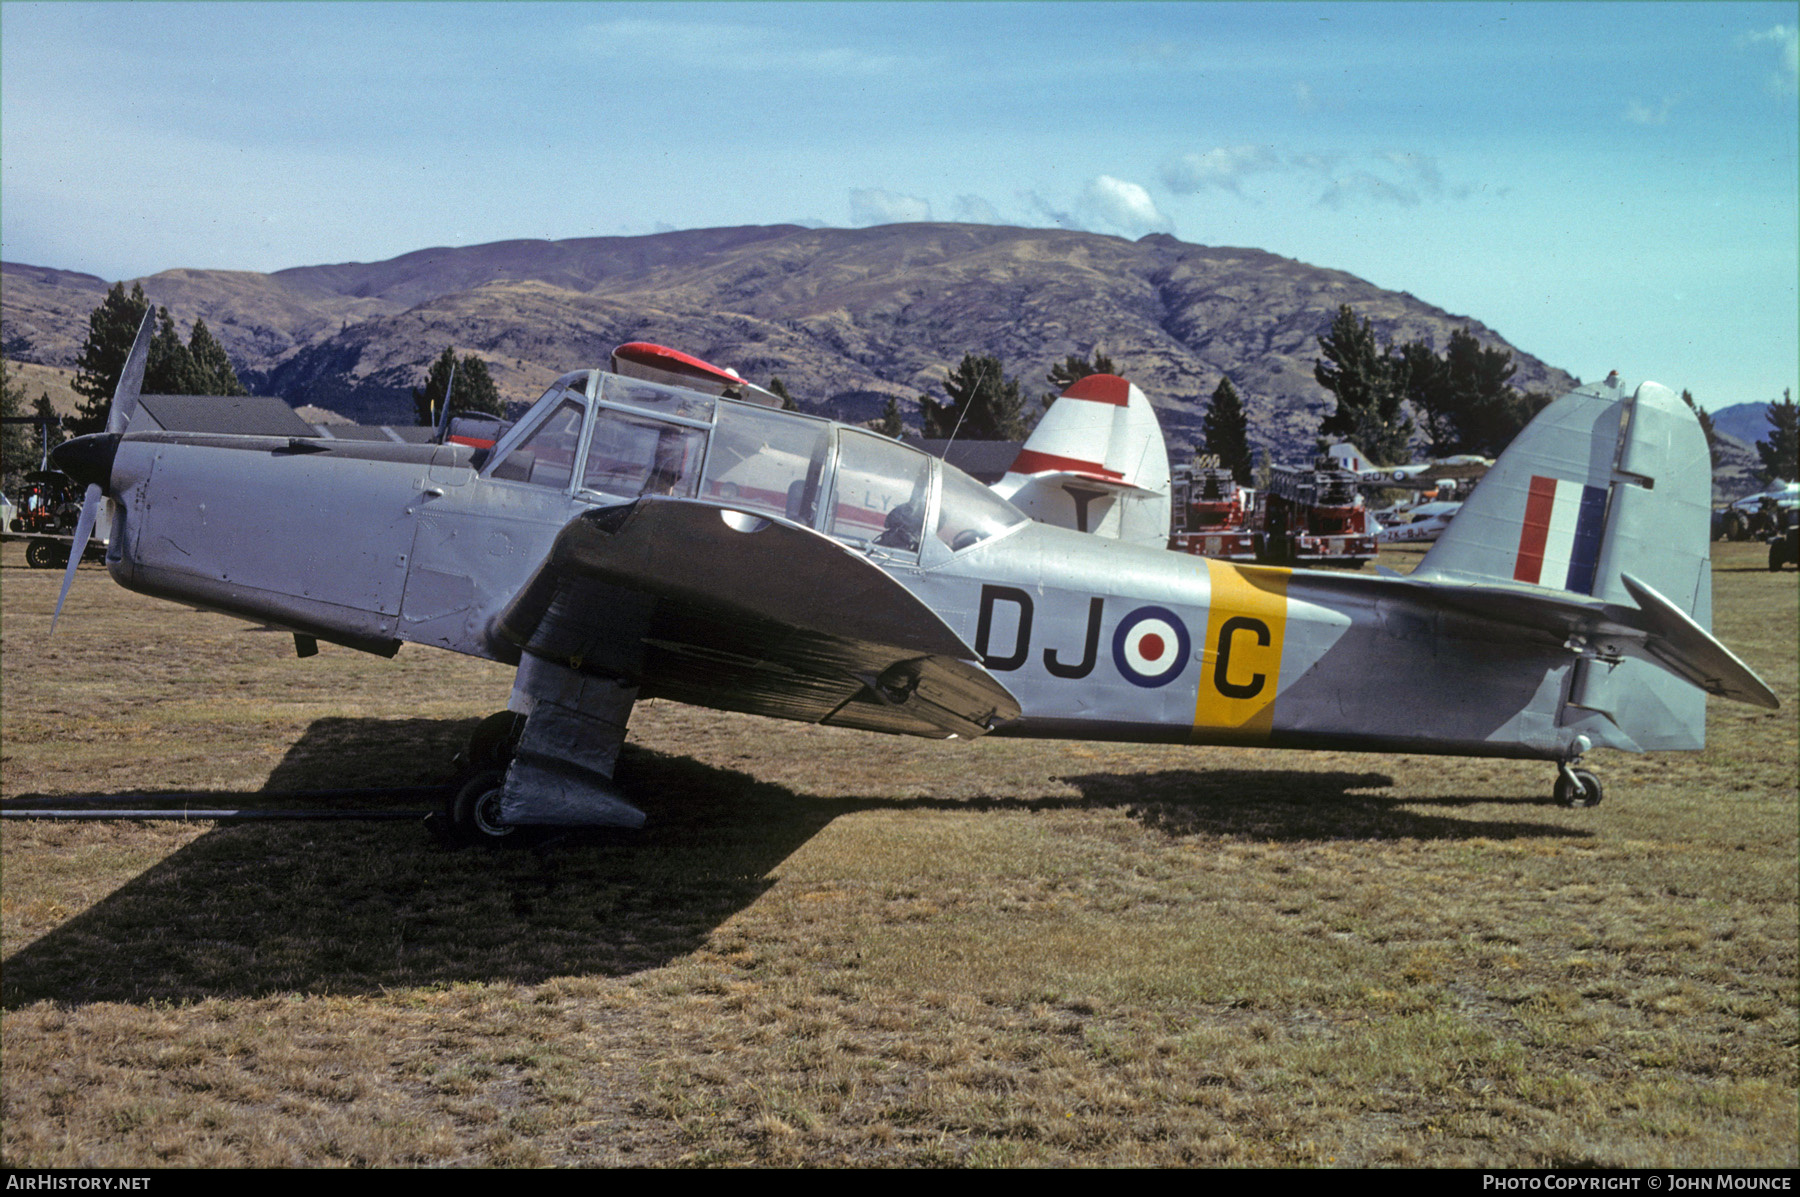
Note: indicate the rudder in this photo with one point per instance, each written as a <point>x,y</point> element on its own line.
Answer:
<point>1603,483</point>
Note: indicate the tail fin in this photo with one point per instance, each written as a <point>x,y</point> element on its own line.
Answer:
<point>1607,494</point>
<point>1601,483</point>
<point>1097,463</point>
<point>1349,457</point>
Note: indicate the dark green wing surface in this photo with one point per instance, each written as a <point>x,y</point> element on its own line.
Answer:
<point>719,608</point>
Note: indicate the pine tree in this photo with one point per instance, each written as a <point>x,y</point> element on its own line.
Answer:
<point>1369,382</point>
<point>111,328</point>
<point>779,389</point>
<point>1226,431</point>
<point>984,404</point>
<point>170,369</point>
<point>428,401</point>
<point>1486,410</point>
<point>18,442</point>
<point>1428,390</point>
<point>212,365</point>
<point>1071,369</point>
<point>1781,452</point>
<point>890,422</point>
<point>200,367</point>
<point>475,390</point>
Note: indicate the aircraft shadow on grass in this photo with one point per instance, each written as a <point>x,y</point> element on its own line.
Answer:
<point>254,909</point>
<point>1294,805</point>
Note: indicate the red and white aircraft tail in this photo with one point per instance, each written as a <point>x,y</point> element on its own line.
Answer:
<point>1096,463</point>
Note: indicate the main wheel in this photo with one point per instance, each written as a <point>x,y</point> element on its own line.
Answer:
<point>1584,793</point>
<point>475,810</point>
<point>492,743</point>
<point>45,554</point>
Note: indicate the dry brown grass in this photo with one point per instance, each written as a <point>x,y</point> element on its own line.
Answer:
<point>54,381</point>
<point>835,948</point>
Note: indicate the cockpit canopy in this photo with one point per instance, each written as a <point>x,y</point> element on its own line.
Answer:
<point>607,438</point>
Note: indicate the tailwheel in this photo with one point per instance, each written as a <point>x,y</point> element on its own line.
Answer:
<point>474,809</point>
<point>1578,789</point>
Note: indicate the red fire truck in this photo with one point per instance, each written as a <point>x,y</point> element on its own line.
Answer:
<point>1313,517</point>
<point>1210,512</point>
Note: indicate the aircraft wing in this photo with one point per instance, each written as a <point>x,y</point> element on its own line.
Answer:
<point>721,608</point>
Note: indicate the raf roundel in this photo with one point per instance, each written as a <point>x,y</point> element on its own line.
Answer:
<point>1151,646</point>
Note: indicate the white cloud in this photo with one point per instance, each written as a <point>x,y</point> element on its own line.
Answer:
<point>1393,176</point>
<point>1106,205</point>
<point>1365,185</point>
<point>975,210</point>
<point>1060,217</point>
<point>1223,169</point>
<point>1303,97</point>
<point>1786,40</point>
<point>872,205</point>
<point>1640,113</point>
<point>1123,205</point>
<point>1420,169</point>
<point>1315,164</point>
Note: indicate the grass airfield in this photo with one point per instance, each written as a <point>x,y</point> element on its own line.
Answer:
<point>835,948</point>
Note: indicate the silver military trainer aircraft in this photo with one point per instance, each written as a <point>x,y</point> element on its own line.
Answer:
<point>628,538</point>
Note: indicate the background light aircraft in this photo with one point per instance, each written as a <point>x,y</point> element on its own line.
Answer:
<point>1422,476</point>
<point>1418,524</point>
<point>627,538</point>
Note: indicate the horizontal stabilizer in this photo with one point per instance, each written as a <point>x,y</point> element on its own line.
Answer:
<point>1062,479</point>
<point>1691,651</point>
<point>1655,627</point>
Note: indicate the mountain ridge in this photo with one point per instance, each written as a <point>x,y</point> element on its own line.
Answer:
<point>848,318</point>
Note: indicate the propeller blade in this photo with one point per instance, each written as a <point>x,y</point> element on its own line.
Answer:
<point>124,406</point>
<point>84,527</point>
<point>131,378</point>
<point>443,424</point>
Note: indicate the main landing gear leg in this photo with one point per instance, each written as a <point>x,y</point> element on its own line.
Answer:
<point>472,813</point>
<point>550,765</point>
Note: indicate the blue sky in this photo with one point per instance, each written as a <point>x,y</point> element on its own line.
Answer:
<point>1606,185</point>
